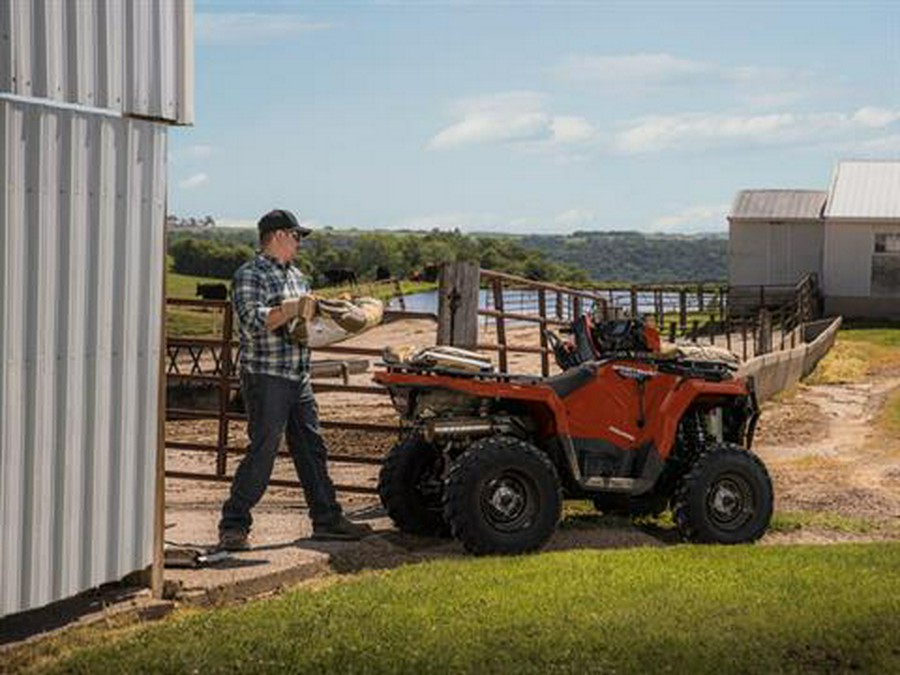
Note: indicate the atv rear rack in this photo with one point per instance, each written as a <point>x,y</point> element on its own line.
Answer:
<point>488,376</point>
<point>711,371</point>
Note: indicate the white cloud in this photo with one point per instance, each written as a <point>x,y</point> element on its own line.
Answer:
<point>699,218</point>
<point>199,151</point>
<point>874,148</point>
<point>194,181</point>
<point>575,219</point>
<point>510,117</point>
<point>876,117</point>
<point>701,130</point>
<point>250,28</point>
<point>571,129</point>
<point>235,222</point>
<point>631,68</point>
<point>648,72</point>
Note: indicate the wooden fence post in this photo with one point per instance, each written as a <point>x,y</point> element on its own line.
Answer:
<point>497,286</point>
<point>764,333</point>
<point>682,309</point>
<point>542,312</point>
<point>225,368</point>
<point>458,304</point>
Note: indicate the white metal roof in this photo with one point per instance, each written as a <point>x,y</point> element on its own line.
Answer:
<point>865,190</point>
<point>771,205</point>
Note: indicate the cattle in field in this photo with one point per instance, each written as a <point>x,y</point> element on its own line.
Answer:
<point>212,291</point>
<point>382,273</point>
<point>340,277</point>
<point>428,273</point>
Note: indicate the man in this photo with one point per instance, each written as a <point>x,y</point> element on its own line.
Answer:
<point>270,295</point>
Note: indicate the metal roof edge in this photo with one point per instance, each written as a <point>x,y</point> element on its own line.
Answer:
<point>59,105</point>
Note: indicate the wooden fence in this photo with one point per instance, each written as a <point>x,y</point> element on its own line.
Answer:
<point>468,296</point>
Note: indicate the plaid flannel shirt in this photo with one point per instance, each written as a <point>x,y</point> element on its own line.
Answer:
<point>258,286</point>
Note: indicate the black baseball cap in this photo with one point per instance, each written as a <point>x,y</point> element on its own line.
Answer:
<point>281,219</point>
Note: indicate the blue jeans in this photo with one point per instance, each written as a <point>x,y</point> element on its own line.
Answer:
<point>276,405</point>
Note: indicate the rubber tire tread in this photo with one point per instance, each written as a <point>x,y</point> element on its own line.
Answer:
<point>395,489</point>
<point>688,502</point>
<point>485,455</point>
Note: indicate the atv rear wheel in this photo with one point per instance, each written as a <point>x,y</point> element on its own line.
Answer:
<point>725,498</point>
<point>502,496</point>
<point>411,487</point>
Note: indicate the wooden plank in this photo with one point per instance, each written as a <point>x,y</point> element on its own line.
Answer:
<point>497,287</point>
<point>353,489</point>
<point>458,304</point>
<point>542,311</point>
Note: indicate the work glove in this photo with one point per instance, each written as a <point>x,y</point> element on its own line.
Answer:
<point>303,307</point>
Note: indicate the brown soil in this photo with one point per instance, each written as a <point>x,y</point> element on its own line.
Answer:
<point>826,452</point>
<point>822,448</point>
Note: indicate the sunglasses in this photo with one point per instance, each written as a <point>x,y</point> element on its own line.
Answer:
<point>295,234</point>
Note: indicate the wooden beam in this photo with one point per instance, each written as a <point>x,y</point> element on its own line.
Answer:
<point>458,304</point>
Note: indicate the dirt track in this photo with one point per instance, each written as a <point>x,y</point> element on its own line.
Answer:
<point>819,442</point>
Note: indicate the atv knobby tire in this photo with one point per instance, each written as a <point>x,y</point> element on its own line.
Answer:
<point>502,496</point>
<point>410,486</point>
<point>725,498</point>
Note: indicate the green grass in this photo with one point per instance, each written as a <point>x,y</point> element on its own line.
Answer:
<point>857,354</point>
<point>185,286</point>
<point>795,521</point>
<point>690,609</point>
<point>187,322</point>
<point>889,417</point>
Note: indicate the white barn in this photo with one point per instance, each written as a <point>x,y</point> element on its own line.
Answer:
<point>849,237</point>
<point>88,90</point>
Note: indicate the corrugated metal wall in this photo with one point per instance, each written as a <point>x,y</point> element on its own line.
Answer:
<point>848,259</point>
<point>82,218</point>
<point>763,253</point>
<point>135,57</point>
<point>81,245</point>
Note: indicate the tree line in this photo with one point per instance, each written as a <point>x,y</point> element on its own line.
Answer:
<point>635,257</point>
<point>218,253</point>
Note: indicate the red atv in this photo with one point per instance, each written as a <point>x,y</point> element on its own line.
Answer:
<point>488,457</point>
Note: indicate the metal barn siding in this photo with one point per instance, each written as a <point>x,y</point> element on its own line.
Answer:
<point>848,259</point>
<point>764,253</point>
<point>81,245</point>
<point>134,57</point>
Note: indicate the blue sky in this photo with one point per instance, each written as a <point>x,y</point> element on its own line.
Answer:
<point>528,117</point>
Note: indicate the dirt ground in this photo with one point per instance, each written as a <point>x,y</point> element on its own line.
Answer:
<point>819,443</point>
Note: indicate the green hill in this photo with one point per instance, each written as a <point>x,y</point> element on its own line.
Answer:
<point>637,258</point>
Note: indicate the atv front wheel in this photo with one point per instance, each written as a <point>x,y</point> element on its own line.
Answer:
<point>502,496</point>
<point>725,498</point>
<point>410,486</point>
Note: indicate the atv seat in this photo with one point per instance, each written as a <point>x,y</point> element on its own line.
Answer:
<point>571,380</point>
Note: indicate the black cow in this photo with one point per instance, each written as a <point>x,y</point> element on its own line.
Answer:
<point>339,277</point>
<point>431,273</point>
<point>212,291</point>
<point>382,273</point>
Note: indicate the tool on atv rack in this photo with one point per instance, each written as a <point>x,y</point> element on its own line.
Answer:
<point>488,457</point>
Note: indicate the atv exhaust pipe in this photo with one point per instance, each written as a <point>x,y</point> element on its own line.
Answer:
<point>464,427</point>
